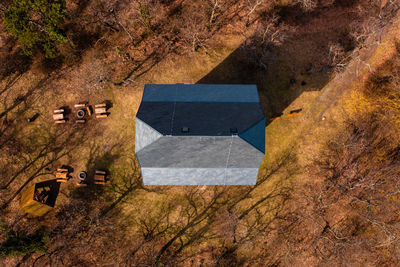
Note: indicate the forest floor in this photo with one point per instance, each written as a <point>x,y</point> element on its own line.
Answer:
<point>294,74</point>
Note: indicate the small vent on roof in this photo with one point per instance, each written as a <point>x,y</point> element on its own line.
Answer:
<point>234,130</point>
<point>185,129</point>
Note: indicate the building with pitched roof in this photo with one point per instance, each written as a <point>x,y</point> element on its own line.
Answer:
<point>200,134</point>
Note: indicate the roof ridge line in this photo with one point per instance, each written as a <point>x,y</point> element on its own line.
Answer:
<point>172,118</point>
<point>227,159</point>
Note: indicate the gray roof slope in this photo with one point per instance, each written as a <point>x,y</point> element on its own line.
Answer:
<point>200,152</point>
<point>144,135</point>
<point>245,93</point>
<point>199,176</point>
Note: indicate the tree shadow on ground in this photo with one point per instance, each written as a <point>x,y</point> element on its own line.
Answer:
<point>12,61</point>
<point>99,158</point>
<point>284,69</point>
<point>292,58</point>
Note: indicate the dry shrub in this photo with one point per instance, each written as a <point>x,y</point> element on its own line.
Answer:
<point>349,210</point>
<point>382,90</point>
<point>361,31</point>
<point>308,5</point>
<point>338,57</point>
<point>270,33</point>
<point>354,200</point>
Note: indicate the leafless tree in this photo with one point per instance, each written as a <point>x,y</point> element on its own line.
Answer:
<point>215,6</point>
<point>252,7</point>
<point>308,5</point>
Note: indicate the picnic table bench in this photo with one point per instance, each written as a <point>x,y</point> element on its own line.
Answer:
<point>61,175</point>
<point>100,110</point>
<point>102,116</point>
<point>58,116</point>
<point>82,183</point>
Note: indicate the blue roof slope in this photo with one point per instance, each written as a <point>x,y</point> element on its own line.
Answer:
<point>207,119</point>
<point>157,115</point>
<point>256,135</point>
<point>243,93</point>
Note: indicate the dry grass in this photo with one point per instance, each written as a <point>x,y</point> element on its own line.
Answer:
<point>252,218</point>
